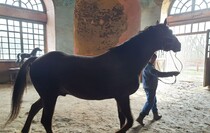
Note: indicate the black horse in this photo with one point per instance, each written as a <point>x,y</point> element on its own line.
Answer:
<point>22,56</point>
<point>114,74</point>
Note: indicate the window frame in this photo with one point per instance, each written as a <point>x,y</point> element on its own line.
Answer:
<point>26,15</point>
<point>191,18</point>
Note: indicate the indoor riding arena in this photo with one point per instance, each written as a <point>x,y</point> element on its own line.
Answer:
<point>94,40</point>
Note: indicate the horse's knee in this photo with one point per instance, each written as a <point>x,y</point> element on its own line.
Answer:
<point>35,107</point>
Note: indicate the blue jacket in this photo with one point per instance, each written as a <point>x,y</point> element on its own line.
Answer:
<point>150,76</point>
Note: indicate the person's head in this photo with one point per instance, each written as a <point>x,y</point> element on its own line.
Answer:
<point>153,58</point>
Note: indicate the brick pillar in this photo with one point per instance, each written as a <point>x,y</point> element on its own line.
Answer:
<point>102,24</point>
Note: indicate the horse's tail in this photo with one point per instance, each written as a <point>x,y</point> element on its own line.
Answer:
<point>18,90</point>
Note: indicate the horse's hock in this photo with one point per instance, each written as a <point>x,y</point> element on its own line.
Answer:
<point>102,24</point>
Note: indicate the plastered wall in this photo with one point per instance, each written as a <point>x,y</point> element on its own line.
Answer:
<point>64,21</point>
<point>150,12</point>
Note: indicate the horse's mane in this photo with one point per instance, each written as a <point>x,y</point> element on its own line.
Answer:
<point>138,37</point>
<point>126,43</point>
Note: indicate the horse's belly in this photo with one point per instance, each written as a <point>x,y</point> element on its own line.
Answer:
<point>88,93</point>
<point>97,91</point>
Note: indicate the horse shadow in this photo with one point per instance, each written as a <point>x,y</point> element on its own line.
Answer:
<point>139,128</point>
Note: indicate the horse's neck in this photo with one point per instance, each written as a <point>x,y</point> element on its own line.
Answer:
<point>137,52</point>
<point>142,57</point>
<point>33,53</point>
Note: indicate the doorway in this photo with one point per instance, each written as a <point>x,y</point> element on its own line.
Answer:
<point>192,57</point>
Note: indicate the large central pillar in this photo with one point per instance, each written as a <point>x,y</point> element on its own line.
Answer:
<point>102,24</point>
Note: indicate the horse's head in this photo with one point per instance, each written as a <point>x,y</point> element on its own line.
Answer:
<point>163,37</point>
<point>34,51</point>
<point>37,49</point>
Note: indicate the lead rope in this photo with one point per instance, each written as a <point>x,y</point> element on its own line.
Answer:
<point>175,67</point>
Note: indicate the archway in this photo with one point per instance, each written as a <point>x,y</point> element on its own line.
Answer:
<point>50,26</point>
<point>25,24</point>
<point>189,20</point>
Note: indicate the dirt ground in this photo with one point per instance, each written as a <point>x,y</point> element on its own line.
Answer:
<point>185,107</point>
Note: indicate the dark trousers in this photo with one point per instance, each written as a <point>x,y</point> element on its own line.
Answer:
<point>151,102</point>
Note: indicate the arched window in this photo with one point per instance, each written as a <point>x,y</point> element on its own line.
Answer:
<point>22,27</point>
<point>183,6</point>
<point>27,4</point>
<point>189,16</point>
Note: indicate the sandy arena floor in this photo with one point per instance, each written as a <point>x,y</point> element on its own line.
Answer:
<point>185,107</point>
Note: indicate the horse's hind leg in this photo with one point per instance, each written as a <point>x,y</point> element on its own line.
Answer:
<point>33,111</point>
<point>48,110</point>
<point>124,105</point>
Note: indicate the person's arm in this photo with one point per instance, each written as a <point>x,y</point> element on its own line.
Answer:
<point>157,73</point>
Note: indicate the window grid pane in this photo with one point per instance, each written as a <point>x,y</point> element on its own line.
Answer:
<point>32,37</point>
<point>20,37</point>
<point>191,28</point>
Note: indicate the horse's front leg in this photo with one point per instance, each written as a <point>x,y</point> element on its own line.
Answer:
<point>124,112</point>
<point>120,116</point>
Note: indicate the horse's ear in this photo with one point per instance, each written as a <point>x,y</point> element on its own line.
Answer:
<point>165,22</point>
<point>157,22</point>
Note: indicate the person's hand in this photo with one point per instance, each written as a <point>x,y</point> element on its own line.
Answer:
<point>175,73</point>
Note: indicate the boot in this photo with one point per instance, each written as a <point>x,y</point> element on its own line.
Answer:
<point>140,119</point>
<point>156,116</point>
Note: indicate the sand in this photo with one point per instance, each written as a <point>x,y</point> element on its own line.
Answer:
<point>185,107</point>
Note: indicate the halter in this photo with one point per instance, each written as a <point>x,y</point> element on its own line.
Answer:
<point>175,67</point>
